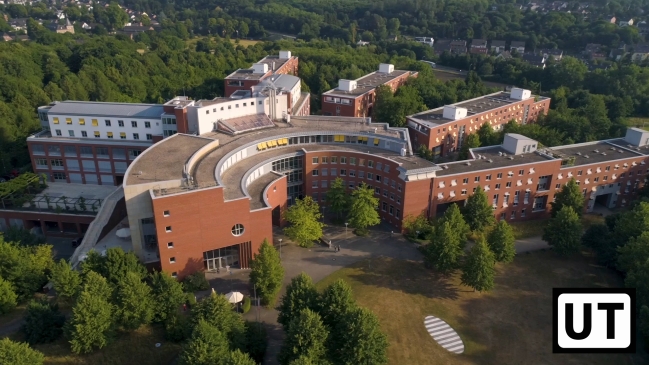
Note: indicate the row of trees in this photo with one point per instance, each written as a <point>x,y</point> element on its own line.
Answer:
<point>328,327</point>
<point>304,217</point>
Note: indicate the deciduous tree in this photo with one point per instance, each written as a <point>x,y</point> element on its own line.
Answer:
<point>445,248</point>
<point>478,270</point>
<point>634,253</point>
<point>304,218</point>
<point>267,273</point>
<point>306,336</point>
<point>363,209</point>
<point>360,340</point>
<point>478,211</point>
<point>167,294</point>
<point>337,197</point>
<point>134,302</point>
<point>454,217</point>
<point>237,357</point>
<point>91,323</point>
<point>43,322</point>
<point>335,302</point>
<point>471,141</point>
<point>19,353</point>
<point>569,195</point>
<point>300,294</point>
<point>66,281</point>
<point>8,298</point>
<point>217,311</point>
<point>563,232</point>
<point>207,346</point>
<point>501,242</point>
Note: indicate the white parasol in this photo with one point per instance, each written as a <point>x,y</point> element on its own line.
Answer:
<point>234,297</point>
<point>123,232</point>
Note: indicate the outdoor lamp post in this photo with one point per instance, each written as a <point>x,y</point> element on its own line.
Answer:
<point>280,248</point>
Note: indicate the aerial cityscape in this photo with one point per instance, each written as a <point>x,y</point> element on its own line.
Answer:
<point>300,182</point>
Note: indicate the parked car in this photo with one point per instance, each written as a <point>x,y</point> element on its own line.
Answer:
<point>77,241</point>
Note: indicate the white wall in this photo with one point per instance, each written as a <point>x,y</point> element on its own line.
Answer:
<point>202,119</point>
<point>156,126</point>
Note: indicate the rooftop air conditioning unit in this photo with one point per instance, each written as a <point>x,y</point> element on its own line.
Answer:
<point>579,153</point>
<point>468,164</point>
<point>511,157</point>
<point>586,156</point>
<point>490,160</point>
<point>596,151</point>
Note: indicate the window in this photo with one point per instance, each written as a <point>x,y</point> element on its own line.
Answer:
<point>500,175</point>
<point>334,160</point>
<point>165,213</point>
<point>134,153</point>
<point>237,229</point>
<point>370,175</point>
<point>384,206</point>
<point>476,179</point>
<point>497,186</point>
<point>59,176</point>
<point>399,187</point>
<point>56,163</point>
<point>54,150</point>
<point>513,216</point>
<point>314,173</point>
<point>608,168</point>
<point>385,193</point>
<point>325,172</point>
<point>314,184</point>
<point>521,172</point>
<point>352,173</point>
<point>323,183</point>
<point>503,215</point>
<point>352,160</point>
<point>343,172</point>
<point>122,135</point>
<point>377,191</point>
<point>379,165</point>
<point>325,159</point>
<point>55,120</point>
<point>361,174</point>
<point>370,163</point>
<point>58,132</point>
<point>579,172</point>
<point>170,245</point>
<point>463,191</point>
<point>82,121</point>
<point>465,180</point>
<point>509,184</point>
<point>109,135</point>
<point>97,134</point>
<point>120,123</point>
<point>522,213</point>
<point>147,124</point>
<point>315,160</point>
<point>172,260</point>
<point>86,151</point>
<point>174,274</point>
<point>168,229</point>
<point>149,137</point>
<point>361,162</point>
<point>343,160</point>
<point>40,162</point>
<point>488,177</point>
<point>334,172</point>
<point>107,122</point>
<point>68,120</point>
<point>136,136</point>
<point>102,152</point>
<point>378,178</point>
<point>84,134</point>
<point>133,124</point>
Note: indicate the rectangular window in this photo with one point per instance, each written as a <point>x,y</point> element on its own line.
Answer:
<point>54,150</point>
<point>352,173</point>
<point>325,172</point>
<point>500,175</point>
<point>38,149</point>
<point>361,162</point>
<point>579,172</point>
<point>334,160</point>
<point>377,191</point>
<point>109,135</point>
<point>334,172</point>
<point>172,260</point>
<point>120,123</point>
<point>370,163</point>
<point>343,172</point>
<point>68,120</point>
<point>509,184</point>
<point>384,206</point>
<point>84,134</point>
<point>513,216</point>
<point>82,121</point>
<point>133,153</point>
<point>133,124</point>
<point>465,180</point>
<point>399,187</point>
<point>147,124</point>
<point>522,213</point>
<point>168,229</point>
<point>97,134</point>
<point>476,179</point>
<point>107,123</point>
<point>314,160</point>
<point>325,159</point>
<point>314,173</point>
<point>170,245</point>
<point>95,123</point>
<point>55,120</point>
<point>343,160</point>
<point>323,183</point>
<point>521,172</point>
<point>463,191</point>
<point>40,162</point>
<point>361,174</point>
<point>149,137</point>
<point>71,133</point>
<point>136,136</point>
<point>314,184</point>
<point>488,177</point>
<point>59,176</point>
<point>352,160</point>
<point>497,186</point>
<point>58,132</point>
<point>370,176</point>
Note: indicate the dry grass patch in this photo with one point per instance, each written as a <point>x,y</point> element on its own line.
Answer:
<point>511,325</point>
<point>136,347</point>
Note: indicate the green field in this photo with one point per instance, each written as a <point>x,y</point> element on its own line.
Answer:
<point>510,325</point>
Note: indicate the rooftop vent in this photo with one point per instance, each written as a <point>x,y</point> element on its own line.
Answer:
<point>490,160</point>
<point>620,151</point>
<point>586,156</point>
<point>468,163</point>
<point>612,148</point>
<point>603,153</point>
<point>579,153</point>
<point>596,151</point>
<point>500,153</point>
<point>511,157</point>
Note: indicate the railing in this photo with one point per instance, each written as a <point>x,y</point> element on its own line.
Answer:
<point>97,225</point>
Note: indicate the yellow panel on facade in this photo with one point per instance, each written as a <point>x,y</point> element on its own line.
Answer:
<point>56,120</point>
<point>68,120</point>
<point>109,134</point>
<point>376,141</point>
<point>122,135</point>
<point>96,133</point>
<point>82,121</point>
<point>95,123</point>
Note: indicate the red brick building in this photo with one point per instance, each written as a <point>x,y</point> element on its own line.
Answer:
<point>444,129</point>
<point>355,98</point>
<point>245,79</point>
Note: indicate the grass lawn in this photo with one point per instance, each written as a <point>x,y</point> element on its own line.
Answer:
<point>15,315</point>
<point>128,348</point>
<point>510,325</point>
<point>534,228</point>
<point>245,42</point>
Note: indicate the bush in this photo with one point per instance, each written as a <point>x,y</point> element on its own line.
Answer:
<point>256,341</point>
<point>190,300</point>
<point>177,328</point>
<point>8,297</point>
<point>196,282</point>
<point>43,322</point>
<point>246,305</point>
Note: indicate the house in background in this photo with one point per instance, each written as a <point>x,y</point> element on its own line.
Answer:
<point>497,46</point>
<point>640,53</point>
<point>458,46</point>
<point>619,53</point>
<point>535,60</point>
<point>626,23</point>
<point>479,46</point>
<point>441,46</point>
<point>594,51</point>
<point>518,46</point>
<point>555,54</point>
<point>610,19</point>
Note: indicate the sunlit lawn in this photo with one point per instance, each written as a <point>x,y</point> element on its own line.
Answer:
<point>534,228</point>
<point>510,325</point>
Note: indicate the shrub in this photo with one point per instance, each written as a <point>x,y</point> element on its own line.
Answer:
<point>177,328</point>
<point>43,322</point>
<point>196,282</point>
<point>256,341</point>
<point>246,305</point>
<point>190,300</point>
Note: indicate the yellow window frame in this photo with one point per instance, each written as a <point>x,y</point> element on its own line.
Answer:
<point>82,121</point>
<point>95,123</point>
<point>55,120</point>
<point>68,120</point>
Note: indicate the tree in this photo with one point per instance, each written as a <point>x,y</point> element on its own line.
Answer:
<point>417,227</point>
<point>217,311</point>
<point>501,242</point>
<point>598,237</point>
<point>91,323</point>
<point>25,268</point>
<point>114,264</point>
<point>304,360</point>
<point>454,217</point>
<point>445,248</point>
<point>267,273</point>
<point>479,270</point>
<point>471,141</point>
<point>363,209</point>
<point>96,285</point>
<point>487,136</point>
<point>569,195</point>
<point>634,253</point>
<point>360,340</point>
<point>638,278</point>
<point>43,322</point>
<point>8,298</point>
<point>477,211</point>
<point>134,302</point>
<point>300,294</point>
<point>306,336</point>
<point>167,294</point>
<point>237,357</point>
<point>19,353</point>
<point>66,281</point>
<point>335,302</point>
<point>207,346</point>
<point>563,232</point>
<point>337,197</point>
<point>304,218</point>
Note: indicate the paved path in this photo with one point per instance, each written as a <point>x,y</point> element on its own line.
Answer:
<point>444,335</point>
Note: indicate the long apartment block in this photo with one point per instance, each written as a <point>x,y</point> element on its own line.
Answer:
<point>273,65</point>
<point>443,130</point>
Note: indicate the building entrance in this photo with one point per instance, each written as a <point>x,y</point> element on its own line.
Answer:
<point>221,258</point>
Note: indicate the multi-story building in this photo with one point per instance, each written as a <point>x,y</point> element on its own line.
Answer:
<point>245,79</point>
<point>443,130</point>
<point>479,46</point>
<point>497,46</point>
<point>355,98</point>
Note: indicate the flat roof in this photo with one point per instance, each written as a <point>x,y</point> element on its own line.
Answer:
<point>367,83</point>
<point>107,109</point>
<point>600,151</point>
<point>435,117</point>
<point>492,160</point>
<point>165,160</point>
<point>257,187</point>
<point>274,63</point>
